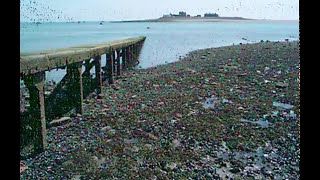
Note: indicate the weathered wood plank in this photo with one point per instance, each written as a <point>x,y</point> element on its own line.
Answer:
<point>98,75</point>
<point>74,73</point>
<point>32,62</point>
<point>118,63</point>
<point>35,84</point>
<point>110,67</point>
<point>124,58</point>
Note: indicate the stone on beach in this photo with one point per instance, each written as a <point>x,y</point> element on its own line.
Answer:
<point>175,143</point>
<point>107,128</point>
<point>282,85</point>
<point>58,121</point>
<point>171,166</point>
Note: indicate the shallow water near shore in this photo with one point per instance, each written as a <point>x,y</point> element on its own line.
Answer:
<point>260,122</point>
<point>165,42</point>
<point>282,105</point>
<point>213,101</point>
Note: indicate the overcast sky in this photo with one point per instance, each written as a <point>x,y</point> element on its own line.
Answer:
<point>97,10</point>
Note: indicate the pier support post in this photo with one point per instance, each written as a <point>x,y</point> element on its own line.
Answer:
<point>35,84</point>
<point>88,67</point>
<point>113,62</point>
<point>131,56</point>
<point>105,67</point>
<point>110,67</point>
<point>86,74</point>
<point>138,52</point>
<point>140,47</point>
<point>124,58</point>
<point>75,88</point>
<point>118,63</point>
<point>97,61</point>
<point>134,54</point>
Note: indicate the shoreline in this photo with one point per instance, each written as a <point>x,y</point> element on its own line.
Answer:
<point>221,19</point>
<point>292,39</point>
<point>215,113</point>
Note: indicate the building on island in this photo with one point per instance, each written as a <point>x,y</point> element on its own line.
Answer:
<point>185,15</point>
<point>181,14</point>
<point>211,15</point>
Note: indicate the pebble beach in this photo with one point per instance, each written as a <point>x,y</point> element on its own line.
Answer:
<point>219,113</point>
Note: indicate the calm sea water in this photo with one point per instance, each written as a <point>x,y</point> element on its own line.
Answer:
<point>165,41</point>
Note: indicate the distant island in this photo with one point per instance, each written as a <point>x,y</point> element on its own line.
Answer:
<point>184,17</point>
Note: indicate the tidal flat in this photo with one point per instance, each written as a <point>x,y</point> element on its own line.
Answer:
<point>191,119</point>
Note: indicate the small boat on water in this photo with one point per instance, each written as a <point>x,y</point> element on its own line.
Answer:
<point>101,23</point>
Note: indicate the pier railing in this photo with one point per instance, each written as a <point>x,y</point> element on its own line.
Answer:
<point>120,55</point>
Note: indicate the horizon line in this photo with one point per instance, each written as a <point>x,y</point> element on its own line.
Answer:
<point>75,21</point>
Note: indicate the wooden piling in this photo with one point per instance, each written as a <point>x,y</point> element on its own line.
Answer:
<point>133,52</point>
<point>35,84</point>
<point>110,67</point>
<point>105,67</point>
<point>136,52</point>
<point>88,67</point>
<point>132,56</point>
<point>114,61</point>
<point>124,58</point>
<point>129,56</point>
<point>118,63</point>
<point>97,62</point>
<point>86,77</point>
<point>75,87</point>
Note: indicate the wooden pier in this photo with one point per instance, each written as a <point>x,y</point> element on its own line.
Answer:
<point>120,55</point>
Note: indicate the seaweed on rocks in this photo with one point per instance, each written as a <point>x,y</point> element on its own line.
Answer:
<point>183,120</point>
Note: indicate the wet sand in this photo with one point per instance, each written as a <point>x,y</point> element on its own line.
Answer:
<point>221,113</point>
